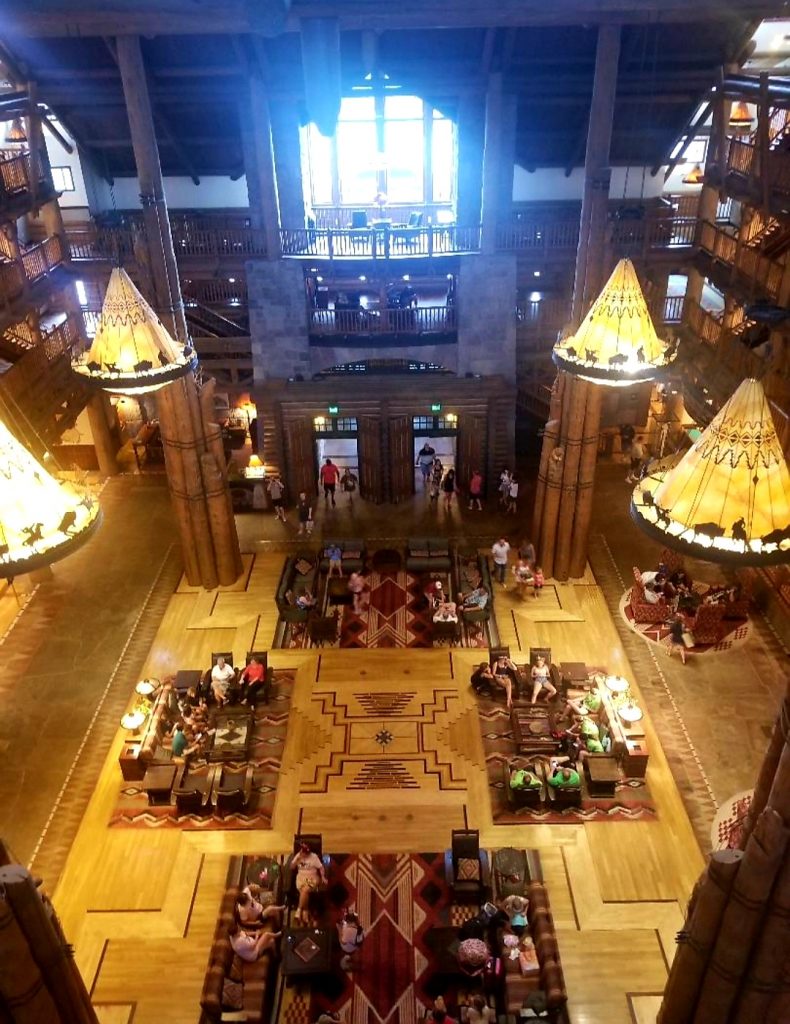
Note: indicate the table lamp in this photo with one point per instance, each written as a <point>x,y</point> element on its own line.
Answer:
<point>616,684</point>
<point>132,720</point>
<point>630,712</point>
<point>147,687</point>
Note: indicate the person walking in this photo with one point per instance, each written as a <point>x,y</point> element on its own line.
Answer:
<point>476,490</point>
<point>350,935</point>
<point>512,498</point>
<point>637,455</point>
<point>437,471</point>
<point>330,475</point>
<point>348,483</point>
<point>425,457</point>
<point>276,489</point>
<point>500,550</point>
<point>449,488</point>
<point>504,487</point>
<point>304,511</point>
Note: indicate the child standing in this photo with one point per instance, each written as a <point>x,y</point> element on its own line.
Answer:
<point>537,580</point>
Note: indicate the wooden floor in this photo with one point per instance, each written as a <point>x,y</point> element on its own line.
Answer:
<point>140,905</point>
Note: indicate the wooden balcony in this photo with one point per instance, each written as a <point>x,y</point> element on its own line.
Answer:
<point>431,324</point>
<point>755,176</point>
<point>383,242</point>
<point>749,269</point>
<point>16,179</point>
<point>17,277</point>
<point>229,360</point>
<point>337,217</point>
<point>118,243</point>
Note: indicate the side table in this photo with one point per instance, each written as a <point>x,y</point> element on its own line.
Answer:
<point>602,774</point>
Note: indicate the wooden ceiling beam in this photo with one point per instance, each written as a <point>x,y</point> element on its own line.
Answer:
<point>192,17</point>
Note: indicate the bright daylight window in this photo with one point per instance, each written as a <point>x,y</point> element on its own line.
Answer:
<point>62,179</point>
<point>397,145</point>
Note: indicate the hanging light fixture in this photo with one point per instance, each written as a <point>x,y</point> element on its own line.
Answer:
<point>41,519</point>
<point>696,176</point>
<point>616,343</point>
<point>16,133</point>
<point>741,118</point>
<point>132,351</point>
<point>728,498</point>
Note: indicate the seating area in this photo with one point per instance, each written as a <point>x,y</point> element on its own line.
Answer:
<point>428,554</point>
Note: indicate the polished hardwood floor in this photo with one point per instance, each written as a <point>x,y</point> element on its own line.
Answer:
<point>140,905</point>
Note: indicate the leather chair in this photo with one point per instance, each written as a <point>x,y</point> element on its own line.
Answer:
<point>466,866</point>
<point>446,632</point>
<point>205,685</point>
<point>322,629</point>
<point>232,789</point>
<point>268,673</point>
<point>360,231</point>
<point>193,790</point>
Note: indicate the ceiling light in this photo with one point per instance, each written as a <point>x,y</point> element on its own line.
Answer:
<point>695,176</point>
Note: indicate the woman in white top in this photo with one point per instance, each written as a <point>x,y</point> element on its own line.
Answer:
<point>250,946</point>
<point>222,675</point>
<point>310,875</point>
<point>541,679</point>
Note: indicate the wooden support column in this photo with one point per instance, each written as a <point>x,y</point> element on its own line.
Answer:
<point>491,163</point>
<point>259,151</point>
<point>159,240</point>
<point>568,459</point>
<point>100,411</point>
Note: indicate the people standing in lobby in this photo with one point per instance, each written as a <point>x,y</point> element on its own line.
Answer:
<point>304,510</point>
<point>504,487</point>
<point>437,471</point>
<point>348,482</point>
<point>637,457</point>
<point>526,550</point>
<point>500,550</point>
<point>276,489</point>
<point>476,490</point>
<point>425,457</point>
<point>329,475</point>
<point>449,488</point>
<point>512,497</point>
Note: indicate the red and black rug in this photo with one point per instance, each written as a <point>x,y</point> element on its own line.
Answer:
<point>632,801</point>
<point>410,921</point>
<point>265,755</point>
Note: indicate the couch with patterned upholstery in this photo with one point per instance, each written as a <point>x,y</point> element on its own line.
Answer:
<point>353,555</point>
<point>428,554</point>
<point>642,609</point>
<point>300,573</point>
<point>233,985</point>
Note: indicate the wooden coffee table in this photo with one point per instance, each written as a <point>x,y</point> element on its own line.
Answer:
<point>576,672</point>
<point>533,725</point>
<point>231,739</point>
<point>602,774</point>
<point>307,952</point>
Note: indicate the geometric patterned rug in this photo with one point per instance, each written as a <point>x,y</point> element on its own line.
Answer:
<point>399,898</point>
<point>631,802</point>
<point>265,755</point>
<point>733,631</point>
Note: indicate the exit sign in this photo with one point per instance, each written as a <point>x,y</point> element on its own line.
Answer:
<point>436,407</point>
<point>334,410</point>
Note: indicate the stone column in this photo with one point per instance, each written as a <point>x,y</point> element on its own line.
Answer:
<point>570,452</point>
<point>471,133</point>
<point>492,162</point>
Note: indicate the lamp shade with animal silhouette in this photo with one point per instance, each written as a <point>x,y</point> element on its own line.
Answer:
<point>728,498</point>
<point>42,519</point>
<point>616,343</point>
<point>132,351</point>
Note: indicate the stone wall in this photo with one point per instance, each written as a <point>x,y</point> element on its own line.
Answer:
<point>487,315</point>
<point>278,319</point>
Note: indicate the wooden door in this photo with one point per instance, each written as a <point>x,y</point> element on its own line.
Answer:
<point>401,458</point>
<point>369,456</point>
<point>470,450</point>
<point>300,464</point>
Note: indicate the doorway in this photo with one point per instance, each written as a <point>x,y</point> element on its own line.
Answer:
<point>440,433</point>
<point>341,450</point>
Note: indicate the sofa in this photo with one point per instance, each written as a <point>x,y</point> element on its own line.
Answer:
<point>229,980</point>
<point>642,609</point>
<point>707,626</point>
<point>300,572</point>
<point>353,559</point>
<point>428,554</point>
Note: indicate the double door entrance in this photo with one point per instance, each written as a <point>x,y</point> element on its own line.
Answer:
<point>381,450</point>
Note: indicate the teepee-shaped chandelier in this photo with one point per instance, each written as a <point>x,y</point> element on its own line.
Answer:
<point>728,498</point>
<point>41,519</point>
<point>132,351</point>
<point>616,343</point>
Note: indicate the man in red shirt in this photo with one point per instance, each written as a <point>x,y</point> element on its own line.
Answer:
<point>330,475</point>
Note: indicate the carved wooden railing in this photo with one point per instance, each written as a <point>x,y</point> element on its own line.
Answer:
<point>423,320</point>
<point>16,172</point>
<point>743,160</point>
<point>757,270</point>
<point>338,217</point>
<point>35,263</point>
<point>216,291</point>
<point>379,242</point>
<point>113,243</point>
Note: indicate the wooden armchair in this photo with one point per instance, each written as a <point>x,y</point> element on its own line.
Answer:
<point>232,789</point>
<point>466,867</point>
<point>193,790</point>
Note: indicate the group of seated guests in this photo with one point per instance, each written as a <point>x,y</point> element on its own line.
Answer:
<point>675,588</point>
<point>505,674</point>
<point>191,733</point>
<point>227,684</point>
<point>254,907</point>
<point>558,776</point>
<point>444,609</point>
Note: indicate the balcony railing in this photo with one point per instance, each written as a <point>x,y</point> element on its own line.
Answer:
<point>216,291</point>
<point>743,160</point>
<point>379,242</point>
<point>118,243</point>
<point>16,172</point>
<point>651,234</point>
<point>423,320</point>
<point>338,217</point>
<point>753,267</point>
<point>35,263</point>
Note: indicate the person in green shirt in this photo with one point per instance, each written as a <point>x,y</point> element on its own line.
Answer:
<point>178,743</point>
<point>564,778</point>
<point>523,778</point>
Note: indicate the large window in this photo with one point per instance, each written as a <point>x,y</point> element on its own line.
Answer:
<point>393,145</point>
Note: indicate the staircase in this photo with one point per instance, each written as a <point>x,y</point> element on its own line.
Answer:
<point>207,322</point>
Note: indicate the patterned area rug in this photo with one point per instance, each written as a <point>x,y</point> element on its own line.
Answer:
<point>265,755</point>
<point>734,631</point>
<point>631,802</point>
<point>400,900</point>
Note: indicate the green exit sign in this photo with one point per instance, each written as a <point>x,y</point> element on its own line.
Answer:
<point>436,407</point>
<point>334,410</point>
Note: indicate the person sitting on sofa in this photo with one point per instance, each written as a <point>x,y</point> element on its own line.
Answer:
<point>306,600</point>
<point>179,741</point>
<point>222,676</point>
<point>524,778</point>
<point>445,611</point>
<point>483,680</point>
<point>541,679</point>
<point>250,912</point>
<point>335,556</point>
<point>310,876</point>
<point>479,1012</point>
<point>515,907</point>
<point>251,945</point>
<point>506,676</point>
<point>564,778</point>
<point>473,600</point>
<point>253,679</point>
<point>435,592</point>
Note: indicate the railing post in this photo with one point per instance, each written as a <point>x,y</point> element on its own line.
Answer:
<point>330,243</point>
<point>430,239</point>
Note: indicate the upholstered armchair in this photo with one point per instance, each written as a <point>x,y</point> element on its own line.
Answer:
<point>642,609</point>
<point>232,789</point>
<point>707,626</point>
<point>466,867</point>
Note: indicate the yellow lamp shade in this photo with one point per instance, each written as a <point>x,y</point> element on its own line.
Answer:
<point>16,131</point>
<point>42,519</point>
<point>728,498</point>
<point>132,720</point>
<point>616,343</point>
<point>132,351</point>
<point>696,176</point>
<point>741,118</point>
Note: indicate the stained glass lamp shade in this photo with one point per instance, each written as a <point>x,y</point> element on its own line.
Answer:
<point>728,498</point>
<point>132,351</point>
<point>741,117</point>
<point>616,343</point>
<point>41,519</point>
